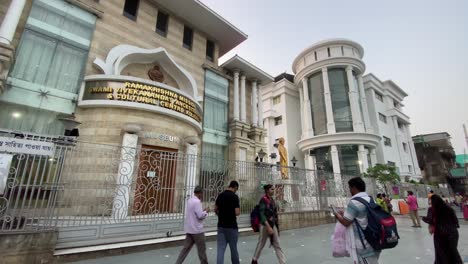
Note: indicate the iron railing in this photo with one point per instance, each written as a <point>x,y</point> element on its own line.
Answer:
<point>87,184</point>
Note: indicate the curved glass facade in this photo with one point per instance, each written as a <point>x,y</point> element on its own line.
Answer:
<point>339,90</point>
<point>317,104</point>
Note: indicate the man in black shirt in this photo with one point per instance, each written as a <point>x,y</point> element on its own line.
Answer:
<point>228,208</point>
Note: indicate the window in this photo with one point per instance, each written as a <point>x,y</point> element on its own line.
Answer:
<point>317,104</point>
<point>342,51</point>
<point>329,53</point>
<point>162,24</point>
<point>391,163</point>
<point>210,47</point>
<point>349,160</point>
<point>379,96</point>
<point>54,60</point>
<point>400,125</point>
<point>51,56</point>
<point>387,141</point>
<point>405,147</point>
<point>410,168</point>
<point>188,38</point>
<point>131,9</point>
<point>216,103</point>
<point>339,90</point>
<point>396,104</point>
<point>277,99</point>
<point>383,118</point>
<point>278,120</point>
<point>315,55</point>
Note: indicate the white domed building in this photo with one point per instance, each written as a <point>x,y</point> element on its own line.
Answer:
<point>331,114</point>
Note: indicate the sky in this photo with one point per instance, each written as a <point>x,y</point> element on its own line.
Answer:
<point>421,45</point>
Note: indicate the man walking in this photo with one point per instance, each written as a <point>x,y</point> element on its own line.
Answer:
<point>358,211</point>
<point>193,227</point>
<point>413,209</point>
<point>228,208</point>
<point>269,227</point>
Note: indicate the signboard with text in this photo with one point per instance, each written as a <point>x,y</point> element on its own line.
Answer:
<point>25,146</point>
<point>131,91</point>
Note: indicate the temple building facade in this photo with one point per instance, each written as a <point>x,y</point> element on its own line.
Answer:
<point>144,68</point>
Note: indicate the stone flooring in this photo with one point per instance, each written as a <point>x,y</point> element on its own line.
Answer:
<point>307,245</point>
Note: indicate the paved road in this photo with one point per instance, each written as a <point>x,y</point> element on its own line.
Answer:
<point>307,245</point>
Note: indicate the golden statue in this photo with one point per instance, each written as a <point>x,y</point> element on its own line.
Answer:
<point>283,153</point>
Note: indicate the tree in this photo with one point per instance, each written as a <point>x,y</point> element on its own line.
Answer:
<point>383,174</point>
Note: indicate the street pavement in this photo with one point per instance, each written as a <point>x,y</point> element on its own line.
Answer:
<point>307,245</point>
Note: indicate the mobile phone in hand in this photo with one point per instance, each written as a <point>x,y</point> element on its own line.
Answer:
<point>333,210</point>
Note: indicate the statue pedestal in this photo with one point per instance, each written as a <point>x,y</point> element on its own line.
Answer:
<point>287,194</point>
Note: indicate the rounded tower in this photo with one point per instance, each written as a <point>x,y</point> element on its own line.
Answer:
<point>337,135</point>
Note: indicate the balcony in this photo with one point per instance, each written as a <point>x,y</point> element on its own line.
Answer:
<point>399,114</point>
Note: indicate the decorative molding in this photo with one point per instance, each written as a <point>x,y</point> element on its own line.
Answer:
<point>123,55</point>
<point>88,7</point>
<point>329,62</point>
<point>367,139</point>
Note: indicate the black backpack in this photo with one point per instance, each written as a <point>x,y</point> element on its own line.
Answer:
<point>381,231</point>
<point>255,216</point>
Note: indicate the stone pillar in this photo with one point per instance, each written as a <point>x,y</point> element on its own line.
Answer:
<point>243,114</point>
<point>308,131</point>
<point>260,107</point>
<point>312,162</point>
<point>328,102</point>
<point>354,101</point>
<point>362,156</point>
<point>236,95</point>
<point>365,108</point>
<point>414,158</point>
<point>301,112</point>
<point>254,104</point>
<point>191,167</point>
<point>306,160</point>
<point>269,145</point>
<point>125,174</point>
<point>398,142</point>
<point>336,168</point>
<point>10,21</point>
<point>373,157</point>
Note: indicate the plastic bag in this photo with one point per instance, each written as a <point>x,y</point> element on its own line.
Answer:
<point>339,241</point>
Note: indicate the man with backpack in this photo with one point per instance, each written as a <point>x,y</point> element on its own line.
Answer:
<point>368,220</point>
<point>268,213</point>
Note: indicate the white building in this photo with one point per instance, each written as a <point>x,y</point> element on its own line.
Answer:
<point>328,113</point>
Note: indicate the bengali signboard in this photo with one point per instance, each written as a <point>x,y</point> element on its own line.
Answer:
<point>132,91</point>
<point>18,145</point>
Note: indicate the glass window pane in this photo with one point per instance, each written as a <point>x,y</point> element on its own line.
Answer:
<point>66,68</point>
<point>317,101</point>
<point>22,118</point>
<point>34,57</point>
<point>349,161</point>
<point>339,91</point>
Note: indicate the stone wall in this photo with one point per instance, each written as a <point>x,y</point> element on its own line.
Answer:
<point>294,220</point>
<point>28,247</point>
<point>113,29</point>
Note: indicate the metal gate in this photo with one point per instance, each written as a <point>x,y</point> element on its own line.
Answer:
<point>98,194</point>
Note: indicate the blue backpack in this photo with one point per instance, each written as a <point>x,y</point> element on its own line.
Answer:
<point>381,231</point>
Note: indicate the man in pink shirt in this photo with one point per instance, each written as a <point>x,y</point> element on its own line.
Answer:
<point>413,209</point>
<point>193,227</point>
